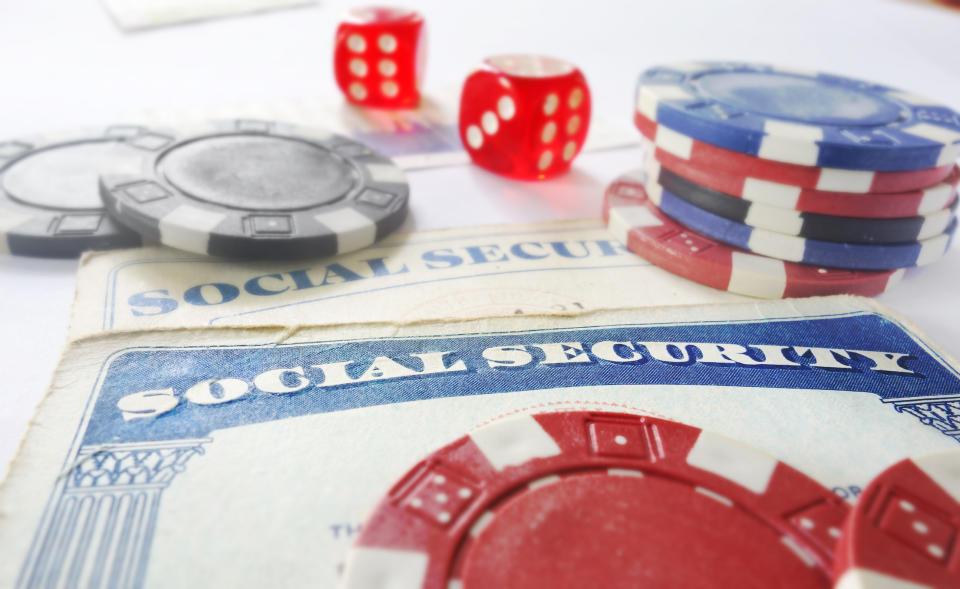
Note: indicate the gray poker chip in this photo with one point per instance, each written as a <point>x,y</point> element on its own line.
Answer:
<point>49,202</point>
<point>257,189</point>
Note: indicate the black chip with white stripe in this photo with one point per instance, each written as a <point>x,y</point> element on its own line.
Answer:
<point>808,225</point>
<point>261,190</point>
<point>49,202</point>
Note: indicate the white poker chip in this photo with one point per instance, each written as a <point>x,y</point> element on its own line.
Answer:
<point>258,189</point>
<point>49,203</point>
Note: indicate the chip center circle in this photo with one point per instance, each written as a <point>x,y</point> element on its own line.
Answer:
<point>65,176</point>
<point>258,172</point>
<point>799,99</point>
<point>598,529</point>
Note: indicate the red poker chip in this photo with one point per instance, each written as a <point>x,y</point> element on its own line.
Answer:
<point>581,499</point>
<point>905,529</point>
<point>877,205</point>
<point>710,157</point>
<point>646,231</point>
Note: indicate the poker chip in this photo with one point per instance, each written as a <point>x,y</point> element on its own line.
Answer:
<point>257,189</point>
<point>905,528</point>
<point>580,499</point>
<point>49,203</point>
<point>800,117</point>
<point>876,205</point>
<point>808,225</point>
<point>649,233</point>
<point>852,256</point>
<point>710,157</point>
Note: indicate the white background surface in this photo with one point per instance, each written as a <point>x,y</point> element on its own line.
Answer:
<point>65,64</point>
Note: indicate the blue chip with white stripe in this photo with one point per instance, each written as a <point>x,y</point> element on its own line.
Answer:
<point>800,117</point>
<point>831,254</point>
<point>260,190</point>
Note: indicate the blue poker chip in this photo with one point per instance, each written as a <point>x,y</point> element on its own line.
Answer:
<point>831,254</point>
<point>799,117</point>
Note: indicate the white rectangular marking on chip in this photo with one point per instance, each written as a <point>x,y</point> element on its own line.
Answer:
<point>895,278</point>
<point>514,441</point>
<point>933,133</point>
<point>860,578</point>
<point>649,97</point>
<point>732,460</point>
<point>624,472</point>
<point>944,469</point>
<point>806,557</point>
<point>913,99</point>
<point>676,143</point>
<point>454,584</point>
<point>651,167</point>
<point>353,229</point>
<point>646,105</point>
<point>934,225</point>
<point>714,495</point>
<point>386,173</point>
<point>188,228</point>
<point>793,131</point>
<point>783,247</point>
<point>771,193</point>
<point>837,180</point>
<point>757,275</point>
<point>383,567</point>
<point>622,219</point>
<point>791,143</point>
<point>932,249</point>
<point>544,481</point>
<point>948,137</point>
<point>485,518</point>
<point>774,218</point>
<point>654,192</point>
<point>688,67</point>
<point>935,199</point>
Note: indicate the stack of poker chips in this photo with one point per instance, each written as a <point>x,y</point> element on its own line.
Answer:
<point>775,182</point>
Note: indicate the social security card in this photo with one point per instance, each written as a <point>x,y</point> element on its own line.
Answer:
<point>554,267</point>
<point>248,457</point>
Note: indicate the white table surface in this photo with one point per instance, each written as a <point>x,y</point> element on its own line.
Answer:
<point>63,64</point>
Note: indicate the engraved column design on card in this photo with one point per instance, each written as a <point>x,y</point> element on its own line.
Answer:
<point>101,522</point>
<point>942,413</point>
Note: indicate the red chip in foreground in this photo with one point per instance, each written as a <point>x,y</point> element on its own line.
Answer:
<point>646,231</point>
<point>905,529</point>
<point>582,499</point>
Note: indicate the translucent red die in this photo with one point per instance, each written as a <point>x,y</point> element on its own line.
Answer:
<point>379,56</point>
<point>524,116</point>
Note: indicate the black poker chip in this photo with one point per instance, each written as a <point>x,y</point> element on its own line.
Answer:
<point>261,190</point>
<point>808,225</point>
<point>49,202</point>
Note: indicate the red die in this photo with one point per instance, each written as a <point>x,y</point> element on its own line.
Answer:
<point>379,56</point>
<point>524,116</point>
